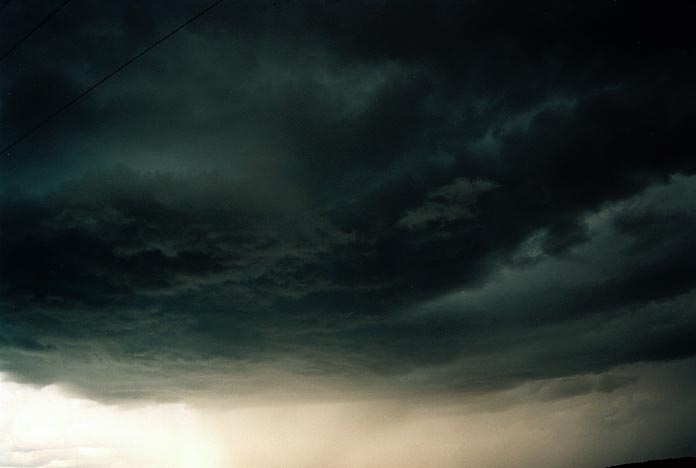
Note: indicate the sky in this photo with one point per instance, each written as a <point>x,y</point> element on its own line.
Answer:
<point>349,234</point>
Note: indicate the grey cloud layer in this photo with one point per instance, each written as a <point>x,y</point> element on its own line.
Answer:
<point>362,194</point>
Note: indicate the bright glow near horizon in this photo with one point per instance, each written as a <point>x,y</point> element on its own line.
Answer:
<point>49,428</point>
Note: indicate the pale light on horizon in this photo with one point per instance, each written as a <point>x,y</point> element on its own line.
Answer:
<point>51,428</point>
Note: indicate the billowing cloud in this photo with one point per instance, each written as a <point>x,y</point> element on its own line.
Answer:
<point>279,301</point>
<point>327,201</point>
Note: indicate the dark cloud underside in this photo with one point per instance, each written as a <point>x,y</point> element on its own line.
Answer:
<point>464,195</point>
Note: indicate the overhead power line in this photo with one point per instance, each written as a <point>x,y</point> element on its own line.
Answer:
<point>108,76</point>
<point>4,4</point>
<point>34,29</point>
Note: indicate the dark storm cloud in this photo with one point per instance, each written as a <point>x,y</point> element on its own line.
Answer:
<point>114,234</point>
<point>305,185</point>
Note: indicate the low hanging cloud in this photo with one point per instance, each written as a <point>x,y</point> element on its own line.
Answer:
<point>260,314</point>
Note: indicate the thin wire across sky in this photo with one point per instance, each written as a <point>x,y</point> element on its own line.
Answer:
<point>6,150</point>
